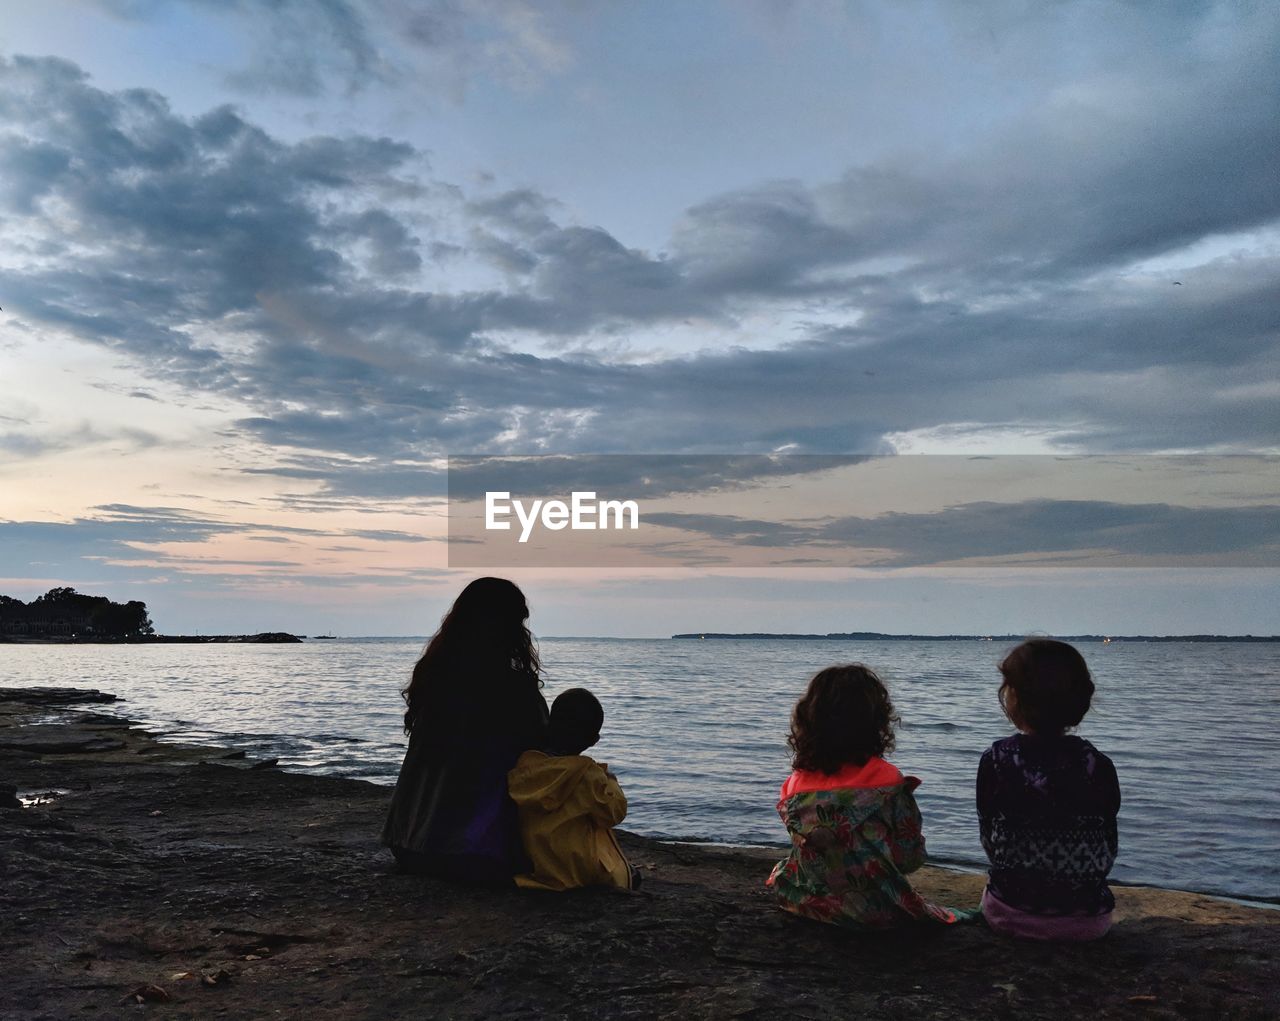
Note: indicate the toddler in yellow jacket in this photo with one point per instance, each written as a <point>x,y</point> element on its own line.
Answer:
<point>569,803</point>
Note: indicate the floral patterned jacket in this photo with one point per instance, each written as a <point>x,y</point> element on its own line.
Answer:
<point>851,850</point>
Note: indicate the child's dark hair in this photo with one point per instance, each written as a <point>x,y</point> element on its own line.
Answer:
<point>576,719</point>
<point>844,717</point>
<point>1047,687</point>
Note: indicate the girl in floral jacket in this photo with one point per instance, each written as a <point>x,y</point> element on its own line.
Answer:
<point>853,821</point>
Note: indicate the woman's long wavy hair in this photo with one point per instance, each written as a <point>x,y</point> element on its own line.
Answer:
<point>844,717</point>
<point>484,635</point>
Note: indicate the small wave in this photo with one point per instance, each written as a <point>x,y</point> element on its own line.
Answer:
<point>961,863</point>
<point>948,727</point>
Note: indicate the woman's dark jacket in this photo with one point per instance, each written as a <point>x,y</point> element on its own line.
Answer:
<point>450,801</point>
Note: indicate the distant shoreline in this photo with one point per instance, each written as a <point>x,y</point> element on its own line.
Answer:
<point>271,638</point>
<point>264,638</point>
<point>876,636</point>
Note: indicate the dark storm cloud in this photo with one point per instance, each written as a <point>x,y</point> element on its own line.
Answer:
<point>985,286</point>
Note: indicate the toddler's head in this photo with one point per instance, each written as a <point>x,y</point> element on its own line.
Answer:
<point>844,717</point>
<point>576,719</point>
<point>1046,688</point>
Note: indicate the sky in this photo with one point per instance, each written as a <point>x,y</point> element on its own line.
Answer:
<point>265,266</point>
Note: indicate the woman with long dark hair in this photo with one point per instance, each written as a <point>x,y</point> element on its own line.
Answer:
<point>472,706</point>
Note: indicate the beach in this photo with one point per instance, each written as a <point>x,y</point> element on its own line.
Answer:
<point>171,880</point>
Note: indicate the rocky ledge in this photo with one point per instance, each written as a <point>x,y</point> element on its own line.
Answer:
<point>157,878</point>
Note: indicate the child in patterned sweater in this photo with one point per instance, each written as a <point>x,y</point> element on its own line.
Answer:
<point>852,818</point>
<point>1047,803</point>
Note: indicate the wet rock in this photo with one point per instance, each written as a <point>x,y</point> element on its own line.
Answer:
<point>55,696</point>
<point>102,720</point>
<point>53,739</point>
<point>9,796</point>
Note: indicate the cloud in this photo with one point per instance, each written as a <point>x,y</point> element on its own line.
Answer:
<point>1089,533</point>
<point>637,476</point>
<point>126,543</point>
<point>1006,282</point>
<point>29,441</point>
<point>317,47</point>
<point>78,549</point>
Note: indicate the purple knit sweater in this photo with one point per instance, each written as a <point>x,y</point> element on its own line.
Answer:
<point>1047,816</point>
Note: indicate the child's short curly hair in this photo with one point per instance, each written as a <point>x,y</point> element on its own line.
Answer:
<point>1047,688</point>
<point>844,717</point>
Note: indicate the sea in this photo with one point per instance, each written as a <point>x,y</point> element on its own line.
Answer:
<point>696,729</point>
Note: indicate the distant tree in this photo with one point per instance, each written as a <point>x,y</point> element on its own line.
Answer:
<point>121,620</point>
<point>64,594</point>
<point>74,612</point>
<point>139,621</point>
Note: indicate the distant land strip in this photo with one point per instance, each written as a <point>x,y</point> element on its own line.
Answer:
<point>876,636</point>
<point>264,638</point>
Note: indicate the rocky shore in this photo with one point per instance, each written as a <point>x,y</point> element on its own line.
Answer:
<point>181,882</point>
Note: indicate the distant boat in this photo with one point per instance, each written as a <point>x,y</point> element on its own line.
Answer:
<point>328,637</point>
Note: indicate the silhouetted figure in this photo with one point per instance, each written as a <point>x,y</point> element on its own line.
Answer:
<point>472,707</point>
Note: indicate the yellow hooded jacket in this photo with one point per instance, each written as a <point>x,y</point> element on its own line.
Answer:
<point>568,805</point>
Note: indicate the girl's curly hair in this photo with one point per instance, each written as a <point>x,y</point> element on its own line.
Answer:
<point>844,717</point>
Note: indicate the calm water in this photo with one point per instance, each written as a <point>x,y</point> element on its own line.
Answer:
<point>695,729</point>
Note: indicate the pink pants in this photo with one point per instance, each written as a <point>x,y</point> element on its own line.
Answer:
<point>1012,922</point>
